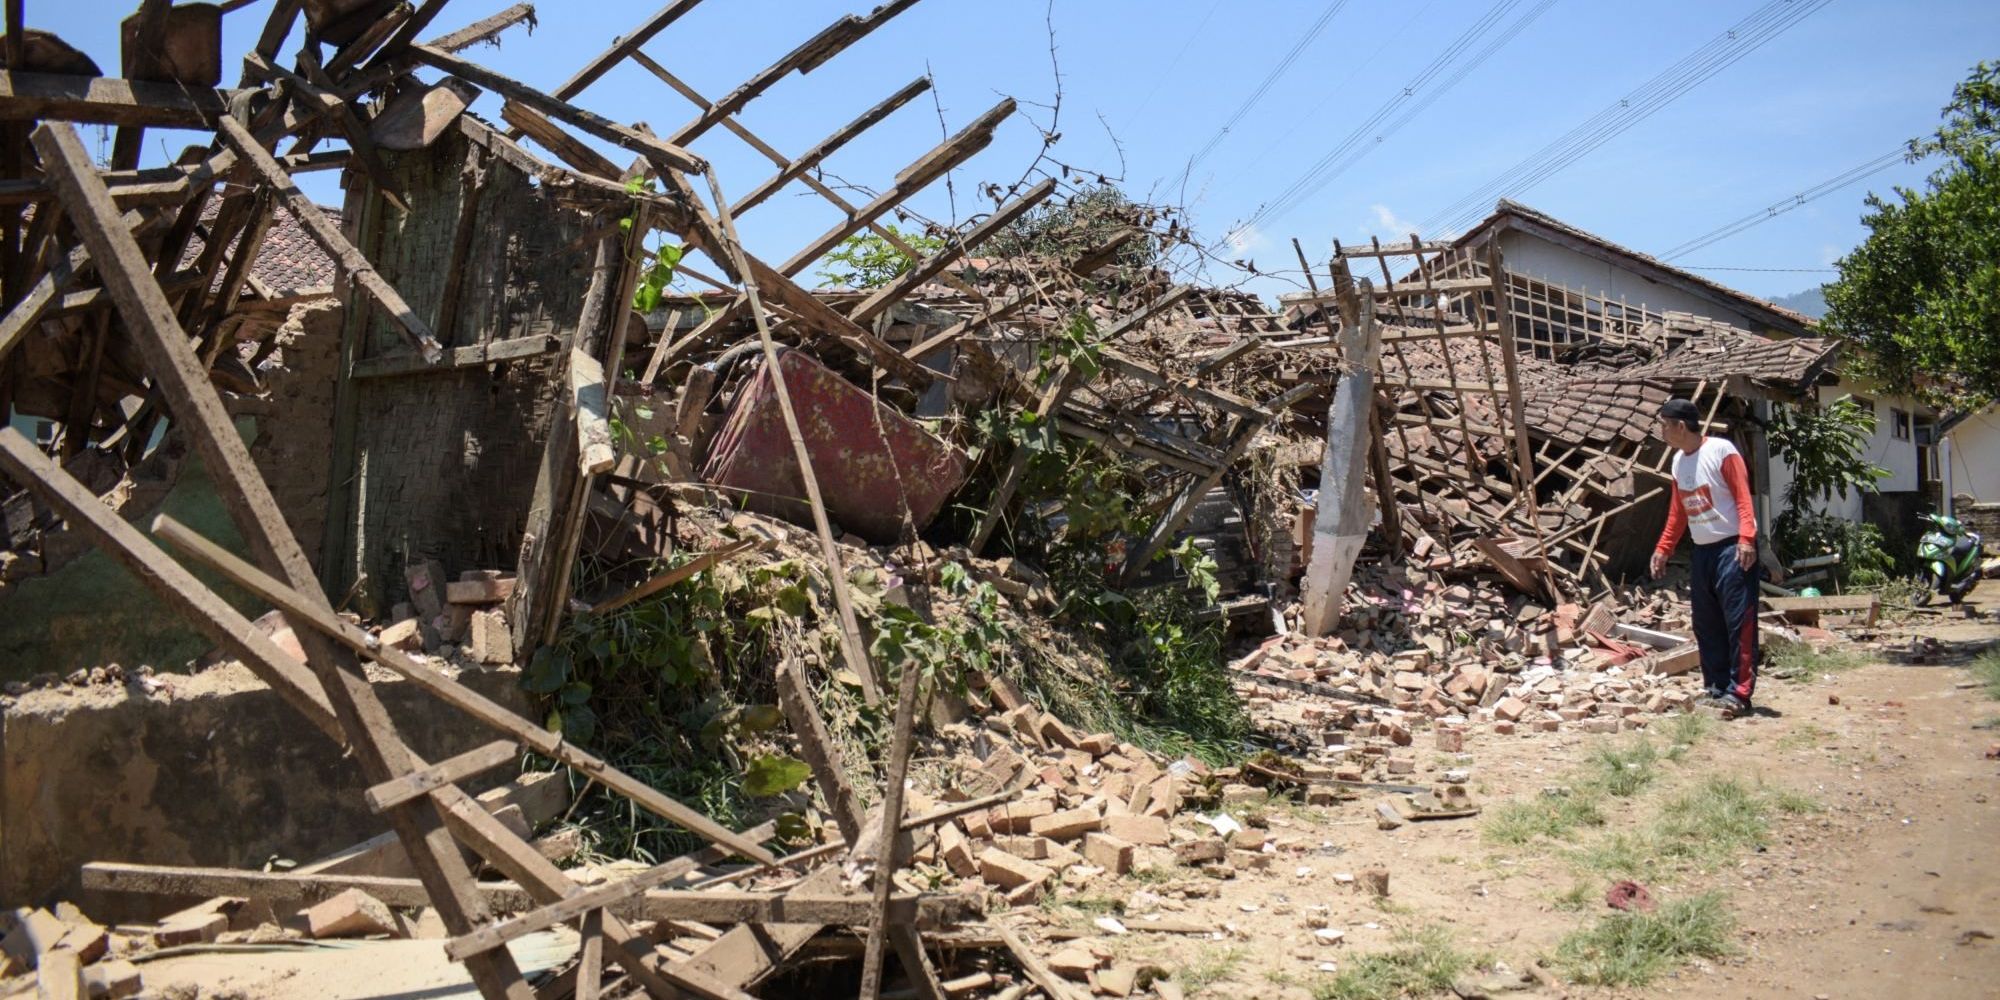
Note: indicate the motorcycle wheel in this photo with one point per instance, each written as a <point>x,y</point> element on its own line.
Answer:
<point>1931,586</point>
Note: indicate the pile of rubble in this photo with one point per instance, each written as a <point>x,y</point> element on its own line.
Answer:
<point>1417,650</point>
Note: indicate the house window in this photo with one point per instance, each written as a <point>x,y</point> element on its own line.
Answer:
<point>1867,405</point>
<point>1899,424</point>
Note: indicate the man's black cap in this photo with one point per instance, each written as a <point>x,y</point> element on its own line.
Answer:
<point>1682,410</point>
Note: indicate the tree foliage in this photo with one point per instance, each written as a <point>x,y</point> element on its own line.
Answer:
<point>1922,294</point>
<point>1063,231</point>
<point>869,260</point>
<point>1826,449</point>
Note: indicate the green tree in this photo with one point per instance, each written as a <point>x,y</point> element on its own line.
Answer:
<point>869,260</point>
<point>1921,295</point>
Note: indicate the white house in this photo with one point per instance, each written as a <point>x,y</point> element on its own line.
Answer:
<point>1543,248</point>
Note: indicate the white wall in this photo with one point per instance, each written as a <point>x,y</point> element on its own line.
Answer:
<point>1975,456</point>
<point>1537,258</point>
<point>1883,449</point>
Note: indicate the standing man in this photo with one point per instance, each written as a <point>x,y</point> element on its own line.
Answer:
<point>1712,503</point>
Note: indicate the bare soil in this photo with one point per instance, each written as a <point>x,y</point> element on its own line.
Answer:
<point>1888,888</point>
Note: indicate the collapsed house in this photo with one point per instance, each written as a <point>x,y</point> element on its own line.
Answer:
<point>483,420</point>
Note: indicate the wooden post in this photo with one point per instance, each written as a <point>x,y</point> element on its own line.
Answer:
<point>1340,524</point>
<point>852,650</point>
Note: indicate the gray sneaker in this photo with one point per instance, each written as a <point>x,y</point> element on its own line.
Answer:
<point>1734,706</point>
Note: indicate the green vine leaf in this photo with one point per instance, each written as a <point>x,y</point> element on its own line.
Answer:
<point>774,774</point>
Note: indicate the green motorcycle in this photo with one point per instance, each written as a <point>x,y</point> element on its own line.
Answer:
<point>1950,556</point>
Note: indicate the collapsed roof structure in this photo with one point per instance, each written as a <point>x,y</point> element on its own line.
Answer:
<point>516,388</point>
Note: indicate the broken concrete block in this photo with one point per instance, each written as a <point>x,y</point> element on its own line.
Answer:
<point>1108,852</point>
<point>89,941</point>
<point>490,641</point>
<point>1375,880</point>
<point>1019,817</point>
<point>1023,895</point>
<point>1150,831</point>
<point>1195,852</point>
<point>350,914</point>
<point>426,581</point>
<point>36,933</point>
<point>484,590</point>
<point>196,926</point>
<point>1099,744</point>
<point>1024,846</point>
<point>1511,709</point>
<point>1053,730</point>
<point>956,851</point>
<point>1451,739</point>
<point>1116,981</point>
<point>1009,872</point>
<point>1073,963</point>
<point>112,980</point>
<point>404,635</point>
<point>1069,824</point>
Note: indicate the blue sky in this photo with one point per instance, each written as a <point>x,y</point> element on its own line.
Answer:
<point>1842,86</point>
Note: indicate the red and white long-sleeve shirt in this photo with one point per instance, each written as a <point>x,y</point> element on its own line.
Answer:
<point>1711,498</point>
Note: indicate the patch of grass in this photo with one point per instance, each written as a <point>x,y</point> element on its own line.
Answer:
<point>1986,669</point>
<point>1794,803</point>
<point>1622,772</point>
<point>1425,962</point>
<point>1684,731</point>
<point>1990,722</point>
<point>1577,897</point>
<point>1711,821</point>
<point>1633,855</point>
<point>1209,966</point>
<point>1554,815</point>
<point>1798,661</point>
<point>1152,874</point>
<point>1633,949</point>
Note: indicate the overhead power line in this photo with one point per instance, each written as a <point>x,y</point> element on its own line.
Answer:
<point>1270,79</point>
<point>1173,64</point>
<point>1850,176</point>
<point>1417,95</point>
<point>1746,36</point>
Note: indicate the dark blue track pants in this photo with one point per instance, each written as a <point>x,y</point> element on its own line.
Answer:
<point>1725,619</point>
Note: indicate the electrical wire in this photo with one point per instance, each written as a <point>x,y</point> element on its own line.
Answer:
<point>1852,175</point>
<point>1163,75</point>
<point>1725,50</point>
<point>1270,79</point>
<point>1358,144</point>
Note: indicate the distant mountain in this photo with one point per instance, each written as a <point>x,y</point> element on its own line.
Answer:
<point>1812,302</point>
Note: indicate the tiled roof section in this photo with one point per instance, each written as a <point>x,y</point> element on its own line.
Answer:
<point>1593,412</point>
<point>289,259</point>
<point>1559,405</point>
<point>1705,349</point>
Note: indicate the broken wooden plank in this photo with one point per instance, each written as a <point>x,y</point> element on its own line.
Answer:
<point>567,148</point>
<point>798,166</point>
<point>1037,970</point>
<point>916,963</point>
<point>623,47</point>
<point>411,363</point>
<point>829,42</point>
<point>102,100</point>
<point>329,237</point>
<point>197,407</point>
<point>823,755</point>
<point>853,652</point>
<point>1807,610</point>
<point>663,153</point>
<point>725,906</point>
<point>481,708</point>
<point>706,560</point>
<point>955,249</point>
<point>449,771</point>
<point>594,453</point>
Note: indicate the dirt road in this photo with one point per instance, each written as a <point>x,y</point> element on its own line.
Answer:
<point>1877,878</point>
